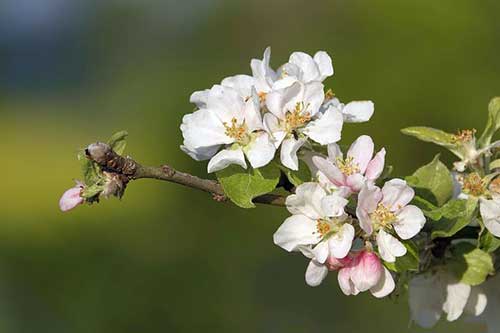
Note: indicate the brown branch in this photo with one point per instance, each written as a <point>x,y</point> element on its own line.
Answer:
<point>110,161</point>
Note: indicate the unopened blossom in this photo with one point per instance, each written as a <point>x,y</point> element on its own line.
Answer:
<point>431,294</point>
<point>357,168</point>
<point>365,272</point>
<point>318,220</point>
<point>301,67</point>
<point>294,117</point>
<point>71,198</point>
<point>386,212</point>
<point>230,122</point>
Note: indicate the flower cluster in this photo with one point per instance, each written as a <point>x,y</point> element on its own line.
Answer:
<point>250,118</point>
<point>327,229</point>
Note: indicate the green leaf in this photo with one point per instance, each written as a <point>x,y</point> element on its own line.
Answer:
<point>429,134</point>
<point>493,123</point>
<point>118,142</point>
<point>433,182</point>
<point>495,164</point>
<point>91,171</point>
<point>455,216</point>
<point>89,193</point>
<point>470,264</point>
<point>241,186</point>
<point>488,242</point>
<point>298,177</point>
<point>408,262</point>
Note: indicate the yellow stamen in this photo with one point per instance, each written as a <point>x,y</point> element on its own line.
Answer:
<point>262,96</point>
<point>329,95</point>
<point>235,131</point>
<point>296,118</point>
<point>382,216</point>
<point>348,166</point>
<point>464,136</point>
<point>323,227</point>
<point>495,186</point>
<point>473,184</point>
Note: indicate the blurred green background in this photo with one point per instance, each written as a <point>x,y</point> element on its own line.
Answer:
<point>166,258</point>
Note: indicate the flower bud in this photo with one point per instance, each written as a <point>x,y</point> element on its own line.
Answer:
<point>71,198</point>
<point>366,270</point>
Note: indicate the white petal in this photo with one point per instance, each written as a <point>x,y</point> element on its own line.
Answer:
<point>330,170</point>
<point>313,97</point>
<point>345,282</point>
<point>358,112</point>
<point>226,103</point>
<point>397,194</point>
<point>410,220</point>
<point>271,125</point>
<point>340,244</point>
<point>326,129</point>
<point>297,230</point>
<point>278,102</point>
<point>199,98</point>
<point>456,299</point>
<point>260,151</point>
<point>389,247</point>
<point>203,129</point>
<point>315,273</point>
<point>307,65</point>
<point>425,297</point>
<point>307,201</point>
<point>288,154</point>
<point>243,84</point>
<point>334,152</point>
<point>356,182</point>
<point>490,212</point>
<point>385,285</point>
<point>376,166</point>
<point>361,151</point>
<point>253,117</point>
<point>368,199</point>
<point>202,153</point>
<point>324,63</point>
<point>226,157</point>
<point>477,302</point>
<point>262,72</point>
<point>333,205</point>
<point>321,251</point>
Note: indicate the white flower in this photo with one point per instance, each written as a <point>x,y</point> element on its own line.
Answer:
<point>303,68</point>
<point>318,220</point>
<point>230,121</point>
<point>490,212</point>
<point>432,294</point>
<point>294,116</point>
<point>387,211</point>
<point>356,169</point>
<point>352,112</point>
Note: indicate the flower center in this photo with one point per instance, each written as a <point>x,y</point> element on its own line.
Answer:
<point>382,216</point>
<point>464,136</point>
<point>235,131</point>
<point>296,118</point>
<point>262,96</point>
<point>323,227</point>
<point>348,166</point>
<point>473,184</point>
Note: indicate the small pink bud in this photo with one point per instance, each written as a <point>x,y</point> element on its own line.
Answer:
<point>71,198</point>
<point>334,264</point>
<point>366,270</point>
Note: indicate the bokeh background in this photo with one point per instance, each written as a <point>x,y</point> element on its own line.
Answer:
<point>166,258</point>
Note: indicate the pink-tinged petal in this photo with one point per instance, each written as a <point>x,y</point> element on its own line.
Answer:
<point>345,282</point>
<point>358,111</point>
<point>327,129</point>
<point>321,252</point>
<point>260,151</point>
<point>367,271</point>
<point>340,244</point>
<point>71,198</point>
<point>397,194</point>
<point>324,63</point>
<point>368,199</point>
<point>288,152</point>
<point>334,152</point>
<point>356,182</point>
<point>315,273</point>
<point>334,264</point>
<point>376,166</point>
<point>362,152</point>
<point>410,221</point>
<point>490,212</point>
<point>385,285</point>
<point>330,170</point>
<point>389,247</point>
<point>226,157</point>
<point>296,231</point>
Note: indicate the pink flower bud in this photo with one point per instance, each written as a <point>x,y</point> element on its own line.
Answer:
<point>366,271</point>
<point>334,264</point>
<point>71,198</point>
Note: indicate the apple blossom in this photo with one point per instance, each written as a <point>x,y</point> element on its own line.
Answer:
<point>357,168</point>
<point>231,122</point>
<point>318,220</point>
<point>352,112</point>
<point>71,198</point>
<point>386,211</point>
